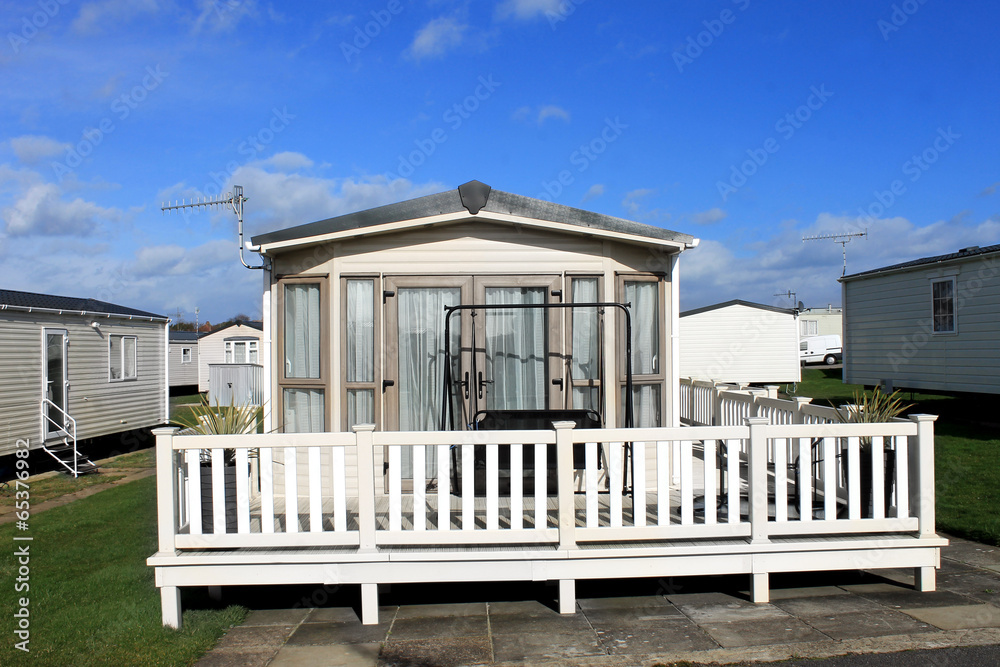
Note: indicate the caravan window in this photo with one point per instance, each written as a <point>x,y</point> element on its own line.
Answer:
<point>121,358</point>
<point>645,294</point>
<point>304,335</point>
<point>943,305</point>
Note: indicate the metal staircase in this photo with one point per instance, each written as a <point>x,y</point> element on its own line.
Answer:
<point>60,441</point>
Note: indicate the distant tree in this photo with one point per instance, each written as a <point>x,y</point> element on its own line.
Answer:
<point>182,325</point>
<point>239,317</point>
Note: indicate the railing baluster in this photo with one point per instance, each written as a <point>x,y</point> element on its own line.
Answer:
<point>709,482</point>
<point>805,480</point>
<point>218,492</point>
<point>516,487</point>
<point>615,479</point>
<point>780,480</point>
<point>903,477</point>
<point>291,491</point>
<point>194,489</point>
<point>663,483</point>
<point>687,483</point>
<point>733,480</point>
<point>395,487</point>
<point>242,491</point>
<point>419,487</point>
<point>266,490</point>
<point>590,472</point>
<point>315,491</point>
<point>443,490</point>
<point>878,477</point>
<point>639,484</point>
<point>492,487</point>
<point>829,479</point>
<point>541,487</point>
<point>337,456</point>
<point>854,508</point>
<point>468,487</point>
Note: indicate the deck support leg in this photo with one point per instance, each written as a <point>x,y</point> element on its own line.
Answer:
<point>925,579</point>
<point>215,593</point>
<point>760,589</point>
<point>567,596</point>
<point>170,606</point>
<point>369,604</point>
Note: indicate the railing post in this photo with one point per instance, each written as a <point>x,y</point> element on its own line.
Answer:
<point>921,474</point>
<point>716,405</point>
<point>797,416</point>
<point>166,488</point>
<point>567,498</point>
<point>757,494</point>
<point>364,441</point>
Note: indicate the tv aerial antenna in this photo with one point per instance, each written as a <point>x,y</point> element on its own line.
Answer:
<point>233,200</point>
<point>791,295</point>
<point>842,239</point>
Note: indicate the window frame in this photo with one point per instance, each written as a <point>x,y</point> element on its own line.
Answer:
<point>122,356</point>
<point>375,385</point>
<point>597,383</point>
<point>652,379</point>
<point>323,381</point>
<point>251,346</point>
<point>186,352</point>
<point>954,306</point>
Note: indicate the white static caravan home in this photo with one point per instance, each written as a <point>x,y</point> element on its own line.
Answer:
<point>74,369</point>
<point>399,342</point>
<point>827,321</point>
<point>740,342</point>
<point>183,358</point>
<point>355,313</point>
<point>235,344</point>
<point>930,324</point>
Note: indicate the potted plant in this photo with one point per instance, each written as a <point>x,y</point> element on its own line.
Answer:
<point>208,419</point>
<point>876,407</point>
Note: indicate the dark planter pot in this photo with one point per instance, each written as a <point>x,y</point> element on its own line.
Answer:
<point>867,484</point>
<point>207,515</point>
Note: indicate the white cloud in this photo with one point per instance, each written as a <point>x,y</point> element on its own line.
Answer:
<point>288,161</point>
<point>40,209</point>
<point>225,15</point>
<point>710,216</point>
<point>527,9</point>
<point>552,111</point>
<point>990,189</point>
<point>632,201</point>
<point>438,37</point>
<point>718,271</point>
<point>595,191</point>
<point>95,17</point>
<point>175,260</point>
<point>33,149</point>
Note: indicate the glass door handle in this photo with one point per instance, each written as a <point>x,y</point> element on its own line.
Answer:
<point>483,383</point>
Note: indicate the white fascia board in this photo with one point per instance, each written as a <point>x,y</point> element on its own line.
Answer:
<point>466,217</point>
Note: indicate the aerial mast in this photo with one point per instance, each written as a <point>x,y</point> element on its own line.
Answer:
<point>233,200</point>
<point>842,239</point>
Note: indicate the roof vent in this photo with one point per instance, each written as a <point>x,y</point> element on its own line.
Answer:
<point>970,249</point>
<point>474,195</point>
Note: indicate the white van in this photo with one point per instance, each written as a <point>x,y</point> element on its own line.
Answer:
<point>821,349</point>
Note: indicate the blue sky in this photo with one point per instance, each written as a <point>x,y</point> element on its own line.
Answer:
<point>744,123</point>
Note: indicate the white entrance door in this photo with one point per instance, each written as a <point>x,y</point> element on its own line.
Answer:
<point>55,382</point>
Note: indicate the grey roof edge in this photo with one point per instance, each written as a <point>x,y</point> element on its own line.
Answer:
<point>253,324</point>
<point>737,302</point>
<point>27,301</point>
<point>184,336</point>
<point>923,262</point>
<point>450,201</point>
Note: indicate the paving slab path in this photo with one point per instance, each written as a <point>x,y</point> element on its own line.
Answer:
<point>697,620</point>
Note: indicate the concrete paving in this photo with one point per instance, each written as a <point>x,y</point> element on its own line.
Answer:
<point>700,620</point>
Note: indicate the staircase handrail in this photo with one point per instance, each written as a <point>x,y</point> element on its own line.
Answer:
<point>72,421</point>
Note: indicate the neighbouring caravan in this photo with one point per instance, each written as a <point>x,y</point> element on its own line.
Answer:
<point>821,349</point>
<point>72,369</point>
<point>235,344</point>
<point>927,324</point>
<point>739,341</point>
<point>183,359</point>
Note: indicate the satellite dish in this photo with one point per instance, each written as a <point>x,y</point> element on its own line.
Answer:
<point>801,306</point>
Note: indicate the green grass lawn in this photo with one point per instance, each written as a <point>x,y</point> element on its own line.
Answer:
<point>92,598</point>
<point>966,452</point>
<point>180,406</point>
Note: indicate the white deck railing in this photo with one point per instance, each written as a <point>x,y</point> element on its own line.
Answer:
<point>788,479</point>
